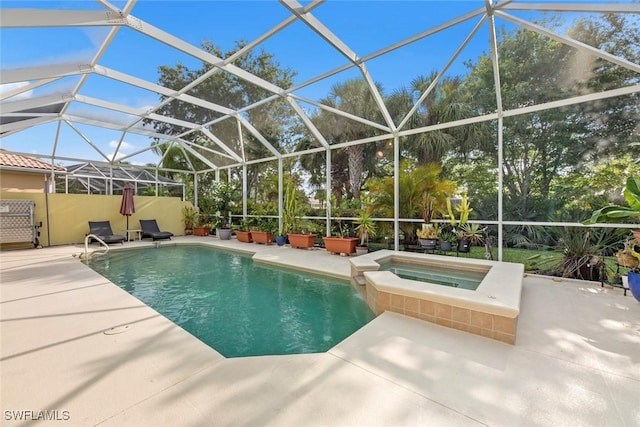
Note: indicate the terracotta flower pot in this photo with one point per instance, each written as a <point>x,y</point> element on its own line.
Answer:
<point>201,231</point>
<point>262,237</point>
<point>340,245</point>
<point>303,241</point>
<point>244,236</point>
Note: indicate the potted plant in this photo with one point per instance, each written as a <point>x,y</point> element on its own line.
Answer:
<point>465,234</point>
<point>302,240</point>
<point>291,222</point>
<point>629,257</point>
<point>447,240</point>
<point>625,257</point>
<point>281,238</point>
<point>189,218</point>
<point>203,226</point>
<point>265,234</point>
<point>471,233</point>
<point>222,194</point>
<point>428,236</point>
<point>243,234</point>
<point>365,228</point>
<point>577,254</point>
<point>615,213</point>
<point>340,244</point>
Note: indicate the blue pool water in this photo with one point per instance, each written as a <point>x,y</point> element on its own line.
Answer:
<point>236,306</point>
<point>456,278</point>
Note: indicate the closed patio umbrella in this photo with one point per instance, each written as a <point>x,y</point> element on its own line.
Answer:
<point>127,207</point>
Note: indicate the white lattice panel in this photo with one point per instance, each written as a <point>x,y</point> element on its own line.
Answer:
<point>17,222</point>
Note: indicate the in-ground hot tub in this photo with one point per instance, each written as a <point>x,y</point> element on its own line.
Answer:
<point>491,310</point>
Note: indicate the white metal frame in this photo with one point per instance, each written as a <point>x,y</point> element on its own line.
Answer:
<point>114,19</point>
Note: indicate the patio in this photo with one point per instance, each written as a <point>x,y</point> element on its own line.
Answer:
<point>576,360</point>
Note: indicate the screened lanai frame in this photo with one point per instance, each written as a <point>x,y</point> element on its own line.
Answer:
<point>96,178</point>
<point>18,115</point>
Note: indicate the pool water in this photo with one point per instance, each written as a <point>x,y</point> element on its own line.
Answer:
<point>445,276</point>
<point>237,307</point>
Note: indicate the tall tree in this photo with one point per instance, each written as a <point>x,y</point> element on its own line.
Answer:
<point>228,90</point>
<point>352,96</point>
<point>448,101</point>
<point>528,70</point>
<point>611,124</point>
<point>541,146</point>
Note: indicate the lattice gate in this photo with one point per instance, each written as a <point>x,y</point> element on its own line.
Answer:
<point>17,222</point>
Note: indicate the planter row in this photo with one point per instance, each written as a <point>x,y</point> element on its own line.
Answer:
<point>336,245</point>
<point>261,237</point>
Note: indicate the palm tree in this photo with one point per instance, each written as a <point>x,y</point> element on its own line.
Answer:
<point>354,97</point>
<point>447,102</point>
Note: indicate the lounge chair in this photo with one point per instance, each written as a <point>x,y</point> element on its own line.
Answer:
<point>150,229</point>
<point>102,229</point>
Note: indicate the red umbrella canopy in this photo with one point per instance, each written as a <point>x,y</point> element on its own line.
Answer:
<point>126,206</point>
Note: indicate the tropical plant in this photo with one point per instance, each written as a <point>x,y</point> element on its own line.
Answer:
<point>445,101</point>
<point>578,252</point>
<point>189,216</point>
<point>615,213</point>
<point>628,256</point>
<point>291,212</point>
<point>428,231</point>
<point>204,220</point>
<point>222,201</point>
<point>246,224</point>
<point>463,209</point>
<point>448,236</point>
<point>268,225</point>
<point>472,233</point>
<point>417,184</point>
<point>365,227</point>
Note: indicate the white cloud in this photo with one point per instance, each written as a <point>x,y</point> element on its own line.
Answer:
<point>8,87</point>
<point>119,156</point>
<point>123,147</point>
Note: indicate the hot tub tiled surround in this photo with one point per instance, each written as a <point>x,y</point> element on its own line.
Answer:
<point>491,310</point>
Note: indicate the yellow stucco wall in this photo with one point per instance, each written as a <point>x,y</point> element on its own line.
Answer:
<point>69,214</point>
<point>22,182</point>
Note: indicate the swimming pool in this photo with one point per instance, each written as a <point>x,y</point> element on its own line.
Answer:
<point>237,307</point>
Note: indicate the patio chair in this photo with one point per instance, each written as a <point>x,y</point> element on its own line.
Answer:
<point>150,229</point>
<point>102,229</point>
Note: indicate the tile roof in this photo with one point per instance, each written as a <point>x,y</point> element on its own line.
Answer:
<point>8,159</point>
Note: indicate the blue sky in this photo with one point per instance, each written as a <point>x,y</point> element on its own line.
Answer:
<point>365,26</point>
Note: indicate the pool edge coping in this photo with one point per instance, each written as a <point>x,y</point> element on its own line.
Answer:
<point>491,295</point>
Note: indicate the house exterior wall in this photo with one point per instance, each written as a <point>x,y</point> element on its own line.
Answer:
<point>17,182</point>
<point>69,214</point>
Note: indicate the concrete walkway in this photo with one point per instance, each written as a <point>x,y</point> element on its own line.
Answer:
<point>74,343</point>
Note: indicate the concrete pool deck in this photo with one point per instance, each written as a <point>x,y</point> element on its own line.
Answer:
<point>576,360</point>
